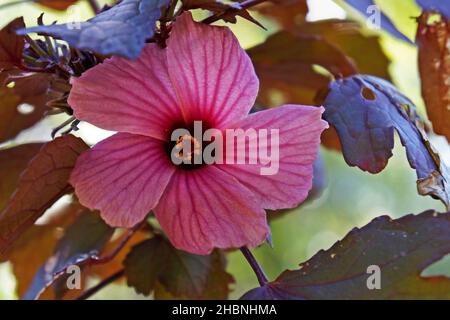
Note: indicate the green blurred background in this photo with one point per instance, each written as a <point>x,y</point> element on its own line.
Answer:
<point>352,197</point>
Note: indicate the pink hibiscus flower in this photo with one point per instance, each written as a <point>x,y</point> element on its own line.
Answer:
<point>202,75</point>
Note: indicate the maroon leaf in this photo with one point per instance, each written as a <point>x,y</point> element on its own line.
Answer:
<point>16,92</point>
<point>60,5</point>
<point>11,45</point>
<point>43,182</point>
<point>401,248</point>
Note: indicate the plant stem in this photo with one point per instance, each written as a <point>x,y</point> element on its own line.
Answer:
<point>232,12</point>
<point>95,6</point>
<point>88,293</point>
<point>262,278</point>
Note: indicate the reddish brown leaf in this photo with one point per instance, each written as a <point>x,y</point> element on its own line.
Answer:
<point>56,4</point>
<point>12,162</point>
<point>42,183</point>
<point>11,45</point>
<point>17,91</point>
<point>434,66</point>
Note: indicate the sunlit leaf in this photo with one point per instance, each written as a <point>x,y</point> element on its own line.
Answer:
<point>43,182</point>
<point>434,65</point>
<point>401,248</point>
<point>371,11</point>
<point>439,5</point>
<point>181,274</point>
<point>121,30</point>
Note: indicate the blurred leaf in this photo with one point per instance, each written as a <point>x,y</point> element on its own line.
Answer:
<point>434,65</point>
<point>401,248</point>
<point>439,5</point>
<point>285,63</point>
<point>368,9</point>
<point>121,30</point>
<point>84,239</point>
<point>365,111</point>
<point>57,4</point>
<point>42,183</point>
<point>29,91</point>
<point>11,45</point>
<point>287,13</point>
<point>180,273</point>
<point>12,162</point>
<point>364,50</point>
<point>35,246</point>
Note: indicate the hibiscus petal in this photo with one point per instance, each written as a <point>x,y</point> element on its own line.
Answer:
<point>128,96</point>
<point>212,75</point>
<point>299,129</point>
<point>206,208</point>
<point>123,176</point>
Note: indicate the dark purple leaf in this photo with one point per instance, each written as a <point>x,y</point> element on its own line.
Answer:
<point>401,248</point>
<point>363,5</point>
<point>121,30</point>
<point>365,111</point>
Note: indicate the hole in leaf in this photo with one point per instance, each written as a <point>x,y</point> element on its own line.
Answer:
<point>11,84</point>
<point>368,94</point>
<point>25,108</point>
<point>433,18</point>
